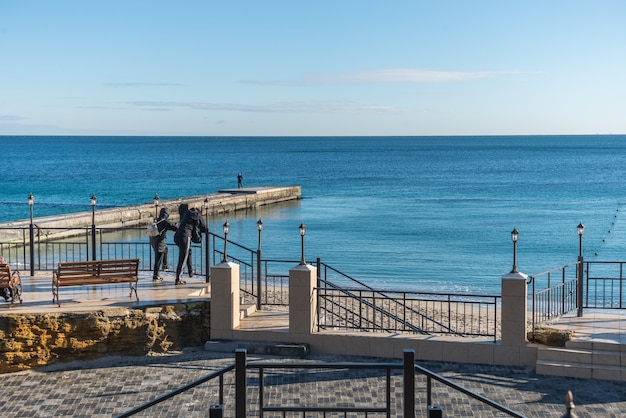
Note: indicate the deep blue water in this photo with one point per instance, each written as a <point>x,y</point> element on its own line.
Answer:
<point>425,213</point>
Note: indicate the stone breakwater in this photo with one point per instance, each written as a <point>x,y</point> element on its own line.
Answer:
<point>33,340</point>
<point>224,201</point>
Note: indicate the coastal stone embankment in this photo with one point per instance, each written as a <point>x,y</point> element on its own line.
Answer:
<point>224,201</point>
<point>33,340</point>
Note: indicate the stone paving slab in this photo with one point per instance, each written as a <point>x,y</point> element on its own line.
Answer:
<point>110,386</point>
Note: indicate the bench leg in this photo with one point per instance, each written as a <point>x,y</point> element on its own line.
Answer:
<point>133,288</point>
<point>55,295</point>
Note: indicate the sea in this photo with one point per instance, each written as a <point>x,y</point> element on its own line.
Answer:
<point>411,213</point>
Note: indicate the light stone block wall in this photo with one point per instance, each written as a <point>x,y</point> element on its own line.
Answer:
<point>225,303</point>
<point>302,299</point>
<point>513,350</point>
<point>514,309</point>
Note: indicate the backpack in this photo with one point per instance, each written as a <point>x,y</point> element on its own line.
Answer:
<point>153,228</point>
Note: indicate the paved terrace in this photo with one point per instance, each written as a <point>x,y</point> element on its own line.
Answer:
<point>112,385</point>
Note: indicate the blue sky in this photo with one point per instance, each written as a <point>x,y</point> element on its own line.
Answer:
<point>324,67</point>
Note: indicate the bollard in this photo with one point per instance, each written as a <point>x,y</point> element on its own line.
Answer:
<point>569,403</point>
<point>216,411</point>
<point>435,412</point>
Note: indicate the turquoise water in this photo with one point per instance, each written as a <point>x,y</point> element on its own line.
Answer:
<point>425,213</point>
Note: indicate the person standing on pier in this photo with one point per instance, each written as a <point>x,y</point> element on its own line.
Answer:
<point>159,242</point>
<point>192,221</point>
<point>239,181</point>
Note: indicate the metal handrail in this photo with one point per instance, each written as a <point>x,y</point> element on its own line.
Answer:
<point>241,392</point>
<point>218,374</point>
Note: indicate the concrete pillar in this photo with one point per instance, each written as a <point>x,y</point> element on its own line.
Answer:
<point>224,299</point>
<point>514,308</point>
<point>302,299</point>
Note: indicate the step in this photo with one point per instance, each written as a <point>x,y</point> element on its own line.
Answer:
<point>584,356</point>
<point>246,310</point>
<point>300,350</point>
<point>581,370</point>
<point>583,359</point>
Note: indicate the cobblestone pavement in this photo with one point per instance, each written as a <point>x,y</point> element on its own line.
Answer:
<point>110,386</point>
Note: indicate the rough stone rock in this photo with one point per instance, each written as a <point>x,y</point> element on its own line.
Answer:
<point>550,336</point>
<point>32,340</point>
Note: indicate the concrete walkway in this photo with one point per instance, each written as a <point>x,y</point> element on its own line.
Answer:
<point>110,386</point>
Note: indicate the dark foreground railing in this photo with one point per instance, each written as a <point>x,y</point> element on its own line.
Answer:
<point>295,389</point>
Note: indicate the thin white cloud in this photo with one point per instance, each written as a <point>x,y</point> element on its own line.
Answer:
<point>399,75</point>
<point>11,118</point>
<point>139,84</point>
<point>285,107</point>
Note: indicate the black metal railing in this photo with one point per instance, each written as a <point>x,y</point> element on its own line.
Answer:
<point>553,293</point>
<point>353,305</point>
<point>604,285</point>
<point>276,381</point>
<point>343,301</point>
<point>216,391</point>
<point>412,312</point>
<point>74,244</point>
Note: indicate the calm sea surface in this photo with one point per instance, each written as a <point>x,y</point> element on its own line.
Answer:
<point>419,213</point>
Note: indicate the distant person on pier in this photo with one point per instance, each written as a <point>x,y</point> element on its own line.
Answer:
<point>159,243</point>
<point>239,181</point>
<point>191,223</point>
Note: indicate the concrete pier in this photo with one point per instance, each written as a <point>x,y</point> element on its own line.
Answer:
<point>224,201</point>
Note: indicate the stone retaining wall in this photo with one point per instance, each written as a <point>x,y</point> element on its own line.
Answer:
<point>33,340</point>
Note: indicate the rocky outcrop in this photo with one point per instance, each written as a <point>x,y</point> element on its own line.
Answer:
<point>550,336</point>
<point>33,340</point>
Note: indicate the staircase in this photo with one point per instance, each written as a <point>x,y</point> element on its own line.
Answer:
<point>584,359</point>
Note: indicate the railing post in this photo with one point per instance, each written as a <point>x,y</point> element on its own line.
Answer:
<point>240,383</point>
<point>579,287</point>
<point>32,248</point>
<point>409,383</point>
<point>258,279</point>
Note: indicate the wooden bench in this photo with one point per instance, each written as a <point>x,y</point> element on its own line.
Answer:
<point>12,281</point>
<point>97,272</point>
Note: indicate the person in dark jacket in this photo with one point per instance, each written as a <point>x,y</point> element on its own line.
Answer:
<point>159,242</point>
<point>182,238</point>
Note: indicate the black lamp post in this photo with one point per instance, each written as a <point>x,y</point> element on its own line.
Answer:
<point>207,242</point>
<point>94,199</point>
<point>156,205</point>
<point>31,203</point>
<point>514,234</point>
<point>579,284</point>
<point>259,227</point>
<point>581,231</point>
<point>302,232</point>
<point>226,229</point>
